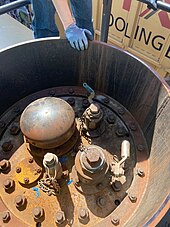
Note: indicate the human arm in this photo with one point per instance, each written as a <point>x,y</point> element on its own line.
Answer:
<point>77,37</point>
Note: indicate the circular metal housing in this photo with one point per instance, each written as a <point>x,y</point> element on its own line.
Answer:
<point>48,122</point>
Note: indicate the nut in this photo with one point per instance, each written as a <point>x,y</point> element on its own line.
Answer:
<point>4,165</point>
<point>14,130</point>
<point>94,108</point>
<point>83,213</point>
<point>133,198</point>
<point>140,147</point>
<point>141,172</point>
<point>70,90</point>
<point>20,201</point>
<point>52,92</point>
<point>106,100</point>
<point>133,126</point>
<point>7,146</point>
<point>85,103</point>
<point>26,180</point>
<point>111,119</point>
<point>5,216</point>
<point>71,101</point>
<point>31,160</point>
<point>18,169</point>
<point>121,110</point>
<point>38,212</point>
<point>116,186</point>
<point>8,184</point>
<point>101,202</point>
<point>115,221</point>
<point>60,217</point>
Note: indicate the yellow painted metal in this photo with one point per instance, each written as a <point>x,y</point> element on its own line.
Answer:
<point>142,32</point>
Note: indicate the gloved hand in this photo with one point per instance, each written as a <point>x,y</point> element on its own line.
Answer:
<point>78,37</point>
<point>152,4</point>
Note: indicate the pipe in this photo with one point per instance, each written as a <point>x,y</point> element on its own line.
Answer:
<point>107,5</point>
<point>13,5</point>
<point>160,5</point>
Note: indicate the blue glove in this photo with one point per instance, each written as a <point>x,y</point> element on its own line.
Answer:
<point>78,37</point>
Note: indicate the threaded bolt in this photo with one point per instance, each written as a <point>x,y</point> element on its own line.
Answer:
<point>5,216</point>
<point>18,169</point>
<point>60,217</point>
<point>106,100</point>
<point>85,103</point>
<point>31,160</point>
<point>121,110</point>
<point>20,201</point>
<point>38,212</point>
<point>111,119</point>
<point>8,184</point>
<point>7,146</point>
<point>133,198</point>
<point>14,130</point>
<point>83,213</point>
<point>115,221</point>
<point>71,101</point>
<point>4,165</point>
<point>101,202</point>
<point>26,180</point>
<point>141,172</point>
<point>133,126</point>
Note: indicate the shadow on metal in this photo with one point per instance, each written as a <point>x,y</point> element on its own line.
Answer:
<point>45,63</point>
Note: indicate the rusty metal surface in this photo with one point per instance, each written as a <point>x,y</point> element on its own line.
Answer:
<point>79,206</point>
<point>106,69</point>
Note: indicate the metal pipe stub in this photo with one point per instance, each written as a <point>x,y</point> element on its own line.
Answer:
<point>91,169</point>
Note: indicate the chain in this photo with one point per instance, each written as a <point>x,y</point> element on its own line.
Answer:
<point>49,186</point>
<point>81,119</point>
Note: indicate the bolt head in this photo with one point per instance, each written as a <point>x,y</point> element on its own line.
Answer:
<point>8,184</point>
<point>101,202</point>
<point>31,160</point>
<point>38,212</point>
<point>94,108</point>
<point>93,157</point>
<point>4,165</point>
<point>26,180</point>
<point>121,110</point>
<point>83,213</point>
<point>85,103</point>
<point>133,198</point>
<point>7,146</point>
<point>111,119</point>
<point>18,169</point>
<point>14,130</point>
<point>133,126</point>
<point>19,201</point>
<point>60,217</point>
<point>71,101</point>
<point>116,186</point>
<point>115,221</point>
<point>141,172</point>
<point>5,216</point>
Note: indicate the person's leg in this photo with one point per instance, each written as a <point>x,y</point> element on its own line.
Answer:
<point>82,12</point>
<point>44,19</point>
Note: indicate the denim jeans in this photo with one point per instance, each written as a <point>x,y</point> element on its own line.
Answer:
<point>44,17</point>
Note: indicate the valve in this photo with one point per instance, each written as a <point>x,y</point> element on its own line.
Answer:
<point>125,154</point>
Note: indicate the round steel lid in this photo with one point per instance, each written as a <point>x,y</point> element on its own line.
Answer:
<point>48,122</point>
